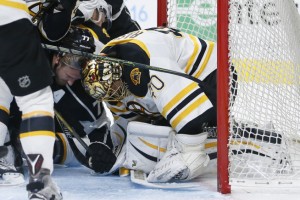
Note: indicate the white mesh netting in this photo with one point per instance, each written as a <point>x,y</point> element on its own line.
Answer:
<point>264,110</point>
<point>264,107</point>
<point>197,17</point>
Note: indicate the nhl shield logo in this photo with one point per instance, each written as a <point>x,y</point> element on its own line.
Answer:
<point>24,81</point>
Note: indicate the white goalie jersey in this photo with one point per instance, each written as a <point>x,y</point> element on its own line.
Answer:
<point>182,102</point>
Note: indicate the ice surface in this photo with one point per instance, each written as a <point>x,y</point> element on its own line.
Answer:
<point>77,183</point>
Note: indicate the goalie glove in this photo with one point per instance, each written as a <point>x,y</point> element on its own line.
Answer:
<point>101,158</point>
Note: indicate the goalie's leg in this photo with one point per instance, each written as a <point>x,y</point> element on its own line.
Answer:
<point>185,159</point>
<point>145,146</point>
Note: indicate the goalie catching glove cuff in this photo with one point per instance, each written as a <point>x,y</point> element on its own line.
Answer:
<point>102,158</point>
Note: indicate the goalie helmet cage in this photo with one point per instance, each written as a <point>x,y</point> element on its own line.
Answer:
<point>258,85</point>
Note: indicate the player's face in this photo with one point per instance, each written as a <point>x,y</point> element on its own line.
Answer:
<point>65,74</point>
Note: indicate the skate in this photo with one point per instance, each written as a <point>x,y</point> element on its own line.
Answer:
<point>41,186</point>
<point>9,175</point>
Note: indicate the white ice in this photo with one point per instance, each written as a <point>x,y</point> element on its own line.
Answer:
<point>77,183</point>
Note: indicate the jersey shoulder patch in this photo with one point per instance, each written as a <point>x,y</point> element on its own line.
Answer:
<point>137,80</point>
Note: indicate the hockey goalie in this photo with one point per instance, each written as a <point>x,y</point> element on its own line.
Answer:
<point>186,104</point>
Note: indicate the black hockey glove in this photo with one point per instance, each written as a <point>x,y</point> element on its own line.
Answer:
<point>102,158</point>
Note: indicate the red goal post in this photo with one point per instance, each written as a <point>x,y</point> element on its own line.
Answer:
<point>258,85</point>
<point>162,16</point>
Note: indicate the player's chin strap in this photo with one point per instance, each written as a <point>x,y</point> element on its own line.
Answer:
<point>207,89</point>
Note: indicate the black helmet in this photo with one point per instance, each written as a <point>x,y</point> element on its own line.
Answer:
<point>79,39</point>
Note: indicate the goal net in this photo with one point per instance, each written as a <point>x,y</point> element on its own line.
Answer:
<point>258,86</point>
<point>197,17</point>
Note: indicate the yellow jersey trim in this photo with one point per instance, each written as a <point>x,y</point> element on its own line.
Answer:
<point>207,57</point>
<point>130,40</point>
<point>188,110</point>
<point>17,5</point>
<point>36,114</point>
<point>178,97</point>
<point>195,52</point>
<point>37,133</point>
<point>4,109</point>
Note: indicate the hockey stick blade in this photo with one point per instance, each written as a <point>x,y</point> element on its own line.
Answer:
<point>140,178</point>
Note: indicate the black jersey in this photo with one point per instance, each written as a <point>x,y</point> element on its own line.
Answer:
<point>84,113</point>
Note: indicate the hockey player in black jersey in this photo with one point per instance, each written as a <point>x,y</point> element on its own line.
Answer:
<point>90,15</point>
<point>86,115</point>
<point>96,16</point>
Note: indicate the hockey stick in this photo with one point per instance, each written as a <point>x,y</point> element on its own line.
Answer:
<point>72,131</point>
<point>122,62</point>
<point>69,133</point>
<point>206,88</point>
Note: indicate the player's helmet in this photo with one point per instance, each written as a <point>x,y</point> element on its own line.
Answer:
<point>102,80</point>
<point>76,39</point>
<point>79,39</point>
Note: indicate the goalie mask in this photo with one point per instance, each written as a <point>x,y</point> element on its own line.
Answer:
<point>102,80</point>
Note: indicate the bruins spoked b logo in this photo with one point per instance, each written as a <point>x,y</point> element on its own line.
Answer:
<point>24,81</point>
<point>135,76</point>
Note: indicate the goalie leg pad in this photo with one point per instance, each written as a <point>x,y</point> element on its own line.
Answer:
<point>193,154</point>
<point>146,144</point>
<point>185,159</point>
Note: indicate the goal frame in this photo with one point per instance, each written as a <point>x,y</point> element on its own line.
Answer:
<point>222,89</point>
<point>162,16</point>
<point>223,97</point>
<point>286,59</point>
